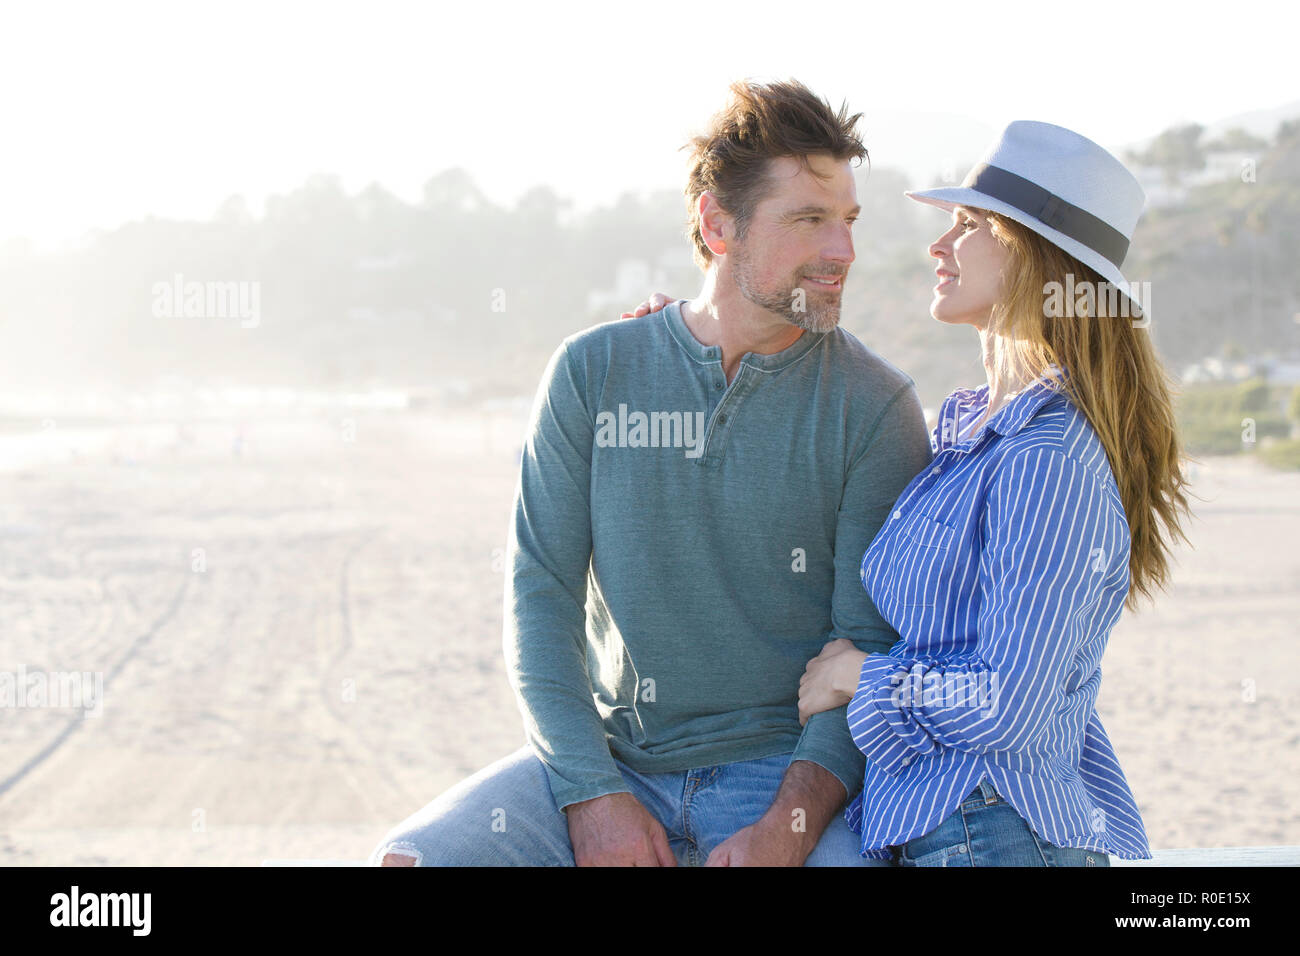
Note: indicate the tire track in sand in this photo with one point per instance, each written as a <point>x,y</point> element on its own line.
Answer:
<point>77,721</point>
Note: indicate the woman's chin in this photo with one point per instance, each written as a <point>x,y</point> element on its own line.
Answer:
<point>941,312</point>
<point>949,310</point>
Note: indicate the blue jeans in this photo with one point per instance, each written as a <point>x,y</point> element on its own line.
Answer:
<point>987,831</point>
<point>505,815</point>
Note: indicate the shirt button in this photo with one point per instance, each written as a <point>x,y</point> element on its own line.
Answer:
<point>935,470</point>
<point>722,419</point>
<point>896,516</point>
<point>906,761</point>
<point>717,384</point>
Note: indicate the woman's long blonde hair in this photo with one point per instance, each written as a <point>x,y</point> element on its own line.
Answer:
<point>1113,376</point>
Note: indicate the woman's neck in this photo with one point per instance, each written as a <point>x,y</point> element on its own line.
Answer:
<point>1001,388</point>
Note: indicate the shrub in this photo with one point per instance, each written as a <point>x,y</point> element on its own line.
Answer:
<point>1284,455</point>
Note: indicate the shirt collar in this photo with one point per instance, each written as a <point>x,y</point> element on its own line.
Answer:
<point>1006,421</point>
<point>702,353</point>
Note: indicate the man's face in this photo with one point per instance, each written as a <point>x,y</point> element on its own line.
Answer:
<point>797,251</point>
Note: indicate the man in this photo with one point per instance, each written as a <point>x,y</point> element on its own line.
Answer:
<point>696,493</point>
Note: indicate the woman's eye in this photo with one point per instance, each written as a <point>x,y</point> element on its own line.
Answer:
<point>967,224</point>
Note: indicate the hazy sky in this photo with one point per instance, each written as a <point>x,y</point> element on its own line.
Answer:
<point>116,110</point>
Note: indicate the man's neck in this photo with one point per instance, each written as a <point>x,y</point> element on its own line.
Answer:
<point>720,315</point>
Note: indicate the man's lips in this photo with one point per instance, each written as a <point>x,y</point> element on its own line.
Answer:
<point>827,282</point>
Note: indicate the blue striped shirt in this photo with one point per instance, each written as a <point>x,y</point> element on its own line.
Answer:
<point>1003,567</point>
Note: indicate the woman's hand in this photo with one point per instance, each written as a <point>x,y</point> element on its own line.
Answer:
<point>830,679</point>
<point>657,301</point>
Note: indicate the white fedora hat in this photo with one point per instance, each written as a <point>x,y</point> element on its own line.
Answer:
<point>1061,185</point>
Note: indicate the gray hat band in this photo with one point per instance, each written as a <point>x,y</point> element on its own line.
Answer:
<point>1066,218</point>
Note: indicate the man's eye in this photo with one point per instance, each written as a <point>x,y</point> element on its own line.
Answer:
<point>852,220</point>
<point>811,219</point>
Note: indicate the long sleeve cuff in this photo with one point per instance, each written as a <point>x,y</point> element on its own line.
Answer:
<point>826,742</point>
<point>568,792</point>
<point>879,723</point>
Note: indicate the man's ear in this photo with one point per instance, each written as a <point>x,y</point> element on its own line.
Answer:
<point>716,223</point>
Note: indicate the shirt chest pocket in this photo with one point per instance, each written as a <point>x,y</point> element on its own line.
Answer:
<point>926,532</point>
<point>925,567</point>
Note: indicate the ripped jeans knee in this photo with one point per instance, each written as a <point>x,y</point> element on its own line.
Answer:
<point>396,848</point>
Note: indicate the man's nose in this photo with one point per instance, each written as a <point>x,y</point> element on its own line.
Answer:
<point>841,247</point>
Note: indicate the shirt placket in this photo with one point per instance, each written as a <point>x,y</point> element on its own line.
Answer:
<point>917,490</point>
<point>723,415</point>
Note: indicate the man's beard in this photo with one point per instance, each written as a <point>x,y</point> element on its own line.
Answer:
<point>821,308</point>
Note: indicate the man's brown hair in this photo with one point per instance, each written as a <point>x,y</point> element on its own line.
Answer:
<point>761,122</point>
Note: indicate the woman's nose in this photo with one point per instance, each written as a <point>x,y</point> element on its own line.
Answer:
<point>941,246</point>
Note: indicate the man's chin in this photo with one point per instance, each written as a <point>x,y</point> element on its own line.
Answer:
<point>823,318</point>
<point>815,321</point>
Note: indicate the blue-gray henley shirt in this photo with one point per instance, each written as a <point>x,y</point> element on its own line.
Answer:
<point>680,547</point>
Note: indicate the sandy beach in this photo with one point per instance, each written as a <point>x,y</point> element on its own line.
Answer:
<point>298,628</point>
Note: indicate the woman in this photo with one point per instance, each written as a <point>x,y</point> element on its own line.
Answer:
<point>1052,503</point>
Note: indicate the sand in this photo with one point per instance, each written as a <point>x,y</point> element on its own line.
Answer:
<point>299,637</point>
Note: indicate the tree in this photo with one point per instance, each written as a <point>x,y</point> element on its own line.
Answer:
<point>1175,151</point>
<point>1287,130</point>
<point>1236,140</point>
<point>234,211</point>
<point>454,188</point>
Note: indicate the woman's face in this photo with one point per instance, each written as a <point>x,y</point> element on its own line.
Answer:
<point>969,270</point>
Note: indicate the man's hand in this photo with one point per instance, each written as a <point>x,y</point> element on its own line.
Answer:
<point>765,843</point>
<point>657,301</point>
<point>616,830</point>
<point>830,679</point>
<point>790,830</point>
